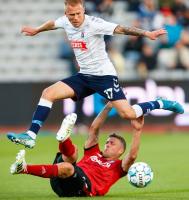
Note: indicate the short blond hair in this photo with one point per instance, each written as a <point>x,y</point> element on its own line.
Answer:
<point>74,2</point>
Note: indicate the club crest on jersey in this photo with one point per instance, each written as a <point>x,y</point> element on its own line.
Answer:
<point>75,44</point>
<point>82,35</point>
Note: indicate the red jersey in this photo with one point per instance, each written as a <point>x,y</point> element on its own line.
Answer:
<point>101,172</point>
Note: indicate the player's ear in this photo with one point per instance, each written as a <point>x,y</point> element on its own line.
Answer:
<point>121,151</point>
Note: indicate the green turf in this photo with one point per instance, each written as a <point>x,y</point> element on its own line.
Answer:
<point>168,155</point>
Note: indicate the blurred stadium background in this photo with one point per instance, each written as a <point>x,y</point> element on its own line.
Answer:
<point>146,70</point>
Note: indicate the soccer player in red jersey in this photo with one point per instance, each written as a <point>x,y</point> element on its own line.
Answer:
<point>97,171</point>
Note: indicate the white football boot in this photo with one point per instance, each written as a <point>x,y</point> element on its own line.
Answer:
<point>20,163</point>
<point>66,127</point>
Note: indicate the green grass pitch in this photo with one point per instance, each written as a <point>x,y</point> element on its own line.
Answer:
<point>168,155</point>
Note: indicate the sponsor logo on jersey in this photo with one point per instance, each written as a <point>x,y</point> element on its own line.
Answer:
<point>75,44</point>
<point>104,164</point>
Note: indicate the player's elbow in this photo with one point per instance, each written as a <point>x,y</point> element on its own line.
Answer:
<point>51,24</point>
<point>94,128</point>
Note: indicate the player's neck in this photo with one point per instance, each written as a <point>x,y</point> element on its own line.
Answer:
<point>110,158</point>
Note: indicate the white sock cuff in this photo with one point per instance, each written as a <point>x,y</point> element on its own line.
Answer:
<point>160,103</point>
<point>138,110</point>
<point>46,103</point>
<point>31,134</point>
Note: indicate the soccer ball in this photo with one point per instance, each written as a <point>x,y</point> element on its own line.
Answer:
<point>140,174</point>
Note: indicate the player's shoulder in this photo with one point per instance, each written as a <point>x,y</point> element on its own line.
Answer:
<point>61,19</point>
<point>61,22</point>
<point>92,149</point>
<point>94,19</point>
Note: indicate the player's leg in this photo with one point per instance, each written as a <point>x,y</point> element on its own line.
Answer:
<point>131,112</point>
<point>61,170</point>
<point>127,111</point>
<point>124,109</point>
<point>72,175</point>
<point>59,90</point>
<point>74,87</point>
<point>108,87</point>
<point>68,150</point>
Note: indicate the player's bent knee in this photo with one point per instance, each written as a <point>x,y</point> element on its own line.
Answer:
<point>48,94</point>
<point>65,170</point>
<point>127,114</point>
<point>123,115</point>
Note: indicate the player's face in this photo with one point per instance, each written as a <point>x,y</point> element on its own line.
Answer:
<point>113,148</point>
<point>75,14</point>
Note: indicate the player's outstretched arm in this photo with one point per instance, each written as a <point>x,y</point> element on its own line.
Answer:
<point>153,35</point>
<point>96,125</point>
<point>31,31</point>
<point>130,158</point>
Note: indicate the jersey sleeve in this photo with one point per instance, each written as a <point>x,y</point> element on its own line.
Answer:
<point>91,150</point>
<point>102,27</point>
<point>60,22</point>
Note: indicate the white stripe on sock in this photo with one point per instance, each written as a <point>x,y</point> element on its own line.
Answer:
<point>138,110</point>
<point>160,103</point>
<point>31,134</point>
<point>46,103</point>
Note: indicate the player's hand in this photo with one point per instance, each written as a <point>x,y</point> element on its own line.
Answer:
<point>138,123</point>
<point>29,31</point>
<point>153,35</point>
